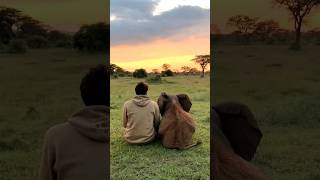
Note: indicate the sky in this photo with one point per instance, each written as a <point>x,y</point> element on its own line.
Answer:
<point>64,15</point>
<point>149,33</point>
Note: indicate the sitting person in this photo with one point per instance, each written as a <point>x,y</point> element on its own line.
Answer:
<point>78,148</point>
<point>141,117</point>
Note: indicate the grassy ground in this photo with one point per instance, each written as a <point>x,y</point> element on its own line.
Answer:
<point>282,88</point>
<point>38,90</point>
<point>154,161</point>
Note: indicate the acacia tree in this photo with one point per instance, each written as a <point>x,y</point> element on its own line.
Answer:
<point>185,69</point>
<point>265,29</point>
<point>244,25</point>
<point>203,61</point>
<point>166,67</point>
<point>299,9</point>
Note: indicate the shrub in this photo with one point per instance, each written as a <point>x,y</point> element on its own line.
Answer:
<point>92,38</point>
<point>17,46</point>
<point>140,73</point>
<point>37,42</point>
<point>63,44</point>
<point>154,79</point>
<point>115,76</point>
<point>167,73</point>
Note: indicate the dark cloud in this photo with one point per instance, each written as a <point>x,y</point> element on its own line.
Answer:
<point>133,9</point>
<point>136,24</point>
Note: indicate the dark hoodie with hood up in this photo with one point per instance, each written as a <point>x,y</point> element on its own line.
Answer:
<point>77,149</point>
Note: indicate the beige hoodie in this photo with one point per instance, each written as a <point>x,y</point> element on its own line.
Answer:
<point>141,117</point>
<point>77,149</point>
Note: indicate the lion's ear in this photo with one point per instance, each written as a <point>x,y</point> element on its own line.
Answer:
<point>162,101</point>
<point>240,126</point>
<point>185,102</point>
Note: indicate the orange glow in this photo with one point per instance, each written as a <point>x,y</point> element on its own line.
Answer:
<point>151,55</point>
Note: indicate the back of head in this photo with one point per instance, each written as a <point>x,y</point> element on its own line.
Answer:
<point>141,88</point>
<point>95,88</point>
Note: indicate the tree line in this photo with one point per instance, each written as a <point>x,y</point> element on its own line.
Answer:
<point>202,60</point>
<point>252,29</point>
<point>19,31</point>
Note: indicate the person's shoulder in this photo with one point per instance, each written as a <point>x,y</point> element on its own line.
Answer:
<point>154,103</point>
<point>57,130</point>
<point>126,103</point>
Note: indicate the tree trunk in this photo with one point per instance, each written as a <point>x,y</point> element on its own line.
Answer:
<point>297,44</point>
<point>202,74</point>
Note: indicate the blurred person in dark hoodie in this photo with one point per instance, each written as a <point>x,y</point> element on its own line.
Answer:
<point>77,149</point>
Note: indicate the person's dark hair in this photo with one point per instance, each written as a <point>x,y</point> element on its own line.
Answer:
<point>95,88</point>
<point>141,88</point>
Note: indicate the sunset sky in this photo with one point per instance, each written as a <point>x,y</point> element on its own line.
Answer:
<point>147,34</point>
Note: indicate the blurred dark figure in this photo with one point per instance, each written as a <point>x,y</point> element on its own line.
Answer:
<point>78,149</point>
<point>236,136</point>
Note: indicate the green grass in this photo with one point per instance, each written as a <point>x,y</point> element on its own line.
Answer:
<point>154,161</point>
<point>38,90</point>
<point>282,88</point>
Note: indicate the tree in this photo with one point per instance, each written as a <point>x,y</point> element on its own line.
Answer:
<point>13,24</point>
<point>244,25</point>
<point>203,61</point>
<point>194,71</point>
<point>155,71</point>
<point>36,42</point>
<point>27,26</point>
<point>8,18</point>
<point>140,73</point>
<point>185,69</point>
<point>265,29</point>
<point>115,69</point>
<point>92,38</point>
<point>167,73</point>
<point>166,67</point>
<point>299,9</point>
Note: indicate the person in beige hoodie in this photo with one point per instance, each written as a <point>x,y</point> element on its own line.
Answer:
<point>78,149</point>
<point>141,117</point>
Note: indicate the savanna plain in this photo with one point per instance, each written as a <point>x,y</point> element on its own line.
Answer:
<point>153,161</point>
<point>38,90</point>
<point>282,89</point>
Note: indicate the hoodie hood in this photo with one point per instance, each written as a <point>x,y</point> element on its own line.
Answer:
<point>141,100</point>
<point>92,122</point>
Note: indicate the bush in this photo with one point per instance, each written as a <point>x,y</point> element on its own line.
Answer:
<point>115,76</point>
<point>140,73</point>
<point>167,73</point>
<point>37,42</point>
<point>63,44</point>
<point>17,46</point>
<point>92,38</point>
<point>154,79</point>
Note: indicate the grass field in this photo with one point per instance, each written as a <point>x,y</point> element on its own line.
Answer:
<point>282,88</point>
<point>154,161</point>
<point>38,90</point>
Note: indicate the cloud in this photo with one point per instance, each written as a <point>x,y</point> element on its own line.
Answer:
<point>133,9</point>
<point>134,21</point>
